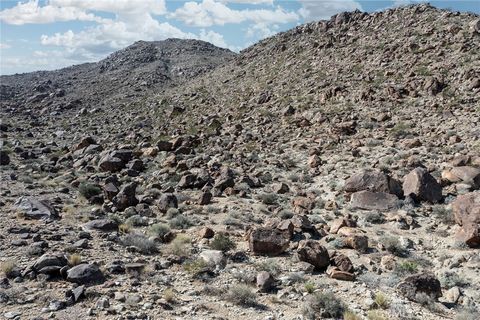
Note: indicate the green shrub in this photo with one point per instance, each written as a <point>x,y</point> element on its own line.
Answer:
<point>222,242</point>
<point>241,294</point>
<point>88,190</point>
<point>268,198</point>
<point>159,230</point>
<point>181,221</point>
<point>140,242</point>
<point>325,304</point>
<point>392,244</point>
<point>406,267</point>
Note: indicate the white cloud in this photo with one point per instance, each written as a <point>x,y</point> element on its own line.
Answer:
<point>213,37</point>
<point>319,10</point>
<point>4,46</point>
<point>31,12</point>
<point>261,30</point>
<point>211,12</point>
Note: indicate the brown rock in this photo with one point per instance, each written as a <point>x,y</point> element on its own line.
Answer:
<point>468,175</point>
<point>205,198</point>
<point>374,200</point>
<point>265,241</point>
<point>466,210</point>
<point>357,242</point>
<point>421,186</point>
<point>314,161</point>
<point>342,262</point>
<point>265,281</point>
<point>334,273</point>
<point>424,283</point>
<point>206,233</point>
<point>314,253</point>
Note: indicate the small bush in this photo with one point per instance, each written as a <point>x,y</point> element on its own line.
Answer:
<point>467,314</point>
<point>159,230</point>
<point>241,294</point>
<point>381,301</point>
<point>350,315</point>
<point>325,304</point>
<point>406,267</point>
<point>392,244</point>
<point>452,279</point>
<point>194,267</point>
<point>88,190</point>
<point>140,242</point>
<point>376,315</point>
<point>124,228</point>
<point>8,268</point>
<point>223,243</point>
<point>309,287</point>
<point>269,265</point>
<point>169,295</point>
<point>443,214</point>
<point>268,198</point>
<point>179,246</point>
<point>181,222</point>
<point>74,259</point>
<point>375,217</point>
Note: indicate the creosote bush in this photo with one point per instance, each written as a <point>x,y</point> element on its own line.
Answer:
<point>222,242</point>
<point>140,242</point>
<point>323,304</point>
<point>241,294</point>
<point>74,259</point>
<point>88,190</point>
<point>180,245</point>
<point>181,221</point>
<point>392,244</point>
<point>159,229</point>
<point>7,268</point>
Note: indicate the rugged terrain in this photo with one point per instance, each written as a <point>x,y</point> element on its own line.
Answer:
<point>330,171</point>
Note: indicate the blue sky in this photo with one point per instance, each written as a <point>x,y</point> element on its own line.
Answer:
<point>50,34</point>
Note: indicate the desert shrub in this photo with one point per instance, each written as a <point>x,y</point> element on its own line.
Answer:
<point>222,242</point>
<point>124,228</point>
<point>172,213</point>
<point>268,198</point>
<point>350,315</point>
<point>88,190</point>
<point>241,294</point>
<point>443,214</point>
<point>392,244</point>
<point>180,245</point>
<point>467,314</point>
<point>194,267</point>
<point>381,301</point>
<point>181,221</point>
<point>169,295</point>
<point>452,279</point>
<point>309,287</point>
<point>8,268</point>
<point>74,259</point>
<point>140,242</point>
<point>269,265</point>
<point>285,214</point>
<point>406,267</point>
<point>376,315</point>
<point>324,304</point>
<point>159,229</point>
<point>212,290</point>
<point>375,217</point>
<point>136,221</point>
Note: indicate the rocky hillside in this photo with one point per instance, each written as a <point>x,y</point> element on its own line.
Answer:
<point>125,76</point>
<point>331,171</point>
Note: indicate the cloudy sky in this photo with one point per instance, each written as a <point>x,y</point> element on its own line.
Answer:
<point>50,34</point>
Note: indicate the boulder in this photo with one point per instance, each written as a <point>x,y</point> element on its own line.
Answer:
<point>265,281</point>
<point>314,253</point>
<point>85,274</point>
<point>126,197</point>
<point>167,201</point>
<point>47,261</point>
<point>470,175</point>
<point>421,186</point>
<point>111,164</point>
<point>421,283</point>
<point>266,241</point>
<point>4,158</point>
<point>357,242</point>
<point>373,180</point>
<point>466,210</point>
<point>369,200</point>
<point>105,225</point>
<point>33,208</point>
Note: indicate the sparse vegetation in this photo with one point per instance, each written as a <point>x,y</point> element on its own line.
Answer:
<point>222,242</point>
<point>324,303</point>
<point>159,230</point>
<point>381,301</point>
<point>140,242</point>
<point>88,190</point>
<point>7,268</point>
<point>180,245</point>
<point>392,244</point>
<point>241,294</point>
<point>181,221</point>
<point>74,259</point>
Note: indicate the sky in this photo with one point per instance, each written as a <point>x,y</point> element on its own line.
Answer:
<point>51,34</point>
